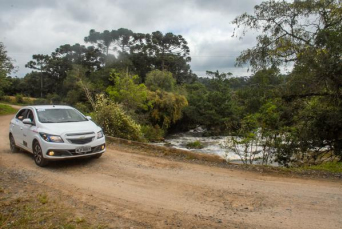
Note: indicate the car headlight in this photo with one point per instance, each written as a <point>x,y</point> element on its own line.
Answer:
<point>100,134</point>
<point>51,138</point>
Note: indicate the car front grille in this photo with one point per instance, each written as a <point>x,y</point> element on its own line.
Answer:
<point>81,141</point>
<point>78,134</point>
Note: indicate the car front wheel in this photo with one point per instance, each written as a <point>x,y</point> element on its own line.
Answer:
<point>38,155</point>
<point>14,148</point>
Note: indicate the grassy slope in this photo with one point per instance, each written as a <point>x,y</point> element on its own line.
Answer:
<point>6,109</point>
<point>333,167</point>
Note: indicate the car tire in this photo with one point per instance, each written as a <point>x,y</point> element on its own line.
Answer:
<point>38,155</point>
<point>13,146</point>
<point>97,155</point>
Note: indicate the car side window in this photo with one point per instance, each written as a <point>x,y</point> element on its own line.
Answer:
<point>30,116</point>
<point>21,115</point>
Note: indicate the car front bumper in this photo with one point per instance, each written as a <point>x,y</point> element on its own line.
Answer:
<point>63,151</point>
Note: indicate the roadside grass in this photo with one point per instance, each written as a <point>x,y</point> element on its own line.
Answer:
<point>24,205</point>
<point>332,167</point>
<point>38,212</point>
<point>6,109</point>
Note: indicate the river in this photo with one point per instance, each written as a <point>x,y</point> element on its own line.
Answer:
<point>211,145</point>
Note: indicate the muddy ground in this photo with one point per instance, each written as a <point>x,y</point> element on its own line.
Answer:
<point>123,190</point>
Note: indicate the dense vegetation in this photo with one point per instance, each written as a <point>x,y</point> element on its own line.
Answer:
<point>140,86</point>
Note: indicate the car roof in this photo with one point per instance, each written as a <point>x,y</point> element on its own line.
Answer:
<point>49,107</point>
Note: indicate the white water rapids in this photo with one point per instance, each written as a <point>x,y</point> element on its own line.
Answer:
<point>212,145</point>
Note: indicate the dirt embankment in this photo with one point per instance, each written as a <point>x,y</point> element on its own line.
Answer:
<point>122,189</point>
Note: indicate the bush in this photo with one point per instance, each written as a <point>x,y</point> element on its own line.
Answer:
<point>114,121</point>
<point>54,99</point>
<point>19,98</point>
<point>166,108</point>
<point>153,134</point>
<point>6,99</point>
<point>73,96</point>
<point>82,107</point>
<point>40,101</point>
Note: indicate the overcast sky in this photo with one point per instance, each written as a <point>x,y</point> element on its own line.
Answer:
<point>40,26</point>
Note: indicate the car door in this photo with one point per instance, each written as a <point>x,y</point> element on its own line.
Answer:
<point>17,127</point>
<point>29,130</point>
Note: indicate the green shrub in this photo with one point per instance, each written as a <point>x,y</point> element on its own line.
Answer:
<point>194,145</point>
<point>153,134</point>
<point>6,99</point>
<point>73,96</point>
<point>41,101</point>
<point>54,98</point>
<point>82,107</point>
<point>19,98</point>
<point>114,121</point>
<point>167,108</point>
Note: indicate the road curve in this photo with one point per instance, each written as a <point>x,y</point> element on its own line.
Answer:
<point>158,192</point>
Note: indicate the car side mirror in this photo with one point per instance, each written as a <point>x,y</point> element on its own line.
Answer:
<point>88,117</point>
<point>27,121</point>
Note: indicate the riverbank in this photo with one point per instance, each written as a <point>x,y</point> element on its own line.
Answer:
<point>216,161</point>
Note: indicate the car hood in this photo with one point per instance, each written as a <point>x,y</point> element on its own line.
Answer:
<point>69,127</point>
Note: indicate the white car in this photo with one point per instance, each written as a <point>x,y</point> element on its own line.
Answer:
<point>55,133</point>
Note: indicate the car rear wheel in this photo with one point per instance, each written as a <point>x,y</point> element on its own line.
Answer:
<point>38,155</point>
<point>14,148</point>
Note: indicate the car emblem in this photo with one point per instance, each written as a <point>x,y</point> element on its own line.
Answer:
<point>82,137</point>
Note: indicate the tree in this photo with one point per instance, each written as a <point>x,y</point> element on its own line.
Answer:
<point>39,62</point>
<point>103,40</point>
<point>90,57</point>
<point>6,67</point>
<point>161,80</point>
<point>211,104</point>
<point>127,91</point>
<point>259,88</point>
<point>166,108</point>
<point>115,40</point>
<point>167,50</point>
<point>76,78</point>
<point>308,35</point>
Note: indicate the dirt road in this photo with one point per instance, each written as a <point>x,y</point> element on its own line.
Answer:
<point>132,190</point>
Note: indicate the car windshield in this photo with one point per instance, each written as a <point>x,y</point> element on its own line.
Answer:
<point>59,115</point>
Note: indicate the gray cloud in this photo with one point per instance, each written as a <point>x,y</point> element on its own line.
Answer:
<point>40,26</point>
